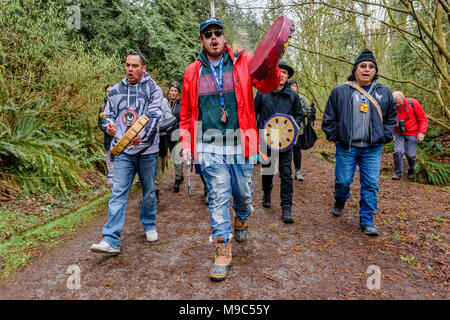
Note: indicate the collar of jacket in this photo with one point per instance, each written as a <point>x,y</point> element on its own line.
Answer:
<point>373,86</point>
<point>285,89</point>
<point>233,56</point>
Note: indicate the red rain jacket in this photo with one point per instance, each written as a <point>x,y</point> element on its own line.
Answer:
<point>244,95</point>
<point>416,120</point>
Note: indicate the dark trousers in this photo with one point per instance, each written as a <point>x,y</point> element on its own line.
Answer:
<point>285,171</point>
<point>404,145</point>
<point>297,156</point>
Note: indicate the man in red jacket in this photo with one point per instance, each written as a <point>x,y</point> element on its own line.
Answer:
<point>411,127</point>
<point>218,129</point>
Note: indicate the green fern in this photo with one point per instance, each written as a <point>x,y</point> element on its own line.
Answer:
<point>431,172</point>
<point>38,159</point>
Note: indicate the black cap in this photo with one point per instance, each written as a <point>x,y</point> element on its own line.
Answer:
<point>366,55</point>
<point>284,65</point>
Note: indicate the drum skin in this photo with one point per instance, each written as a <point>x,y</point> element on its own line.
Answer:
<point>271,48</point>
<point>131,133</point>
<point>280,132</point>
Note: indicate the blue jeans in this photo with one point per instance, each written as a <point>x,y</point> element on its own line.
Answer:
<point>227,176</point>
<point>125,168</point>
<point>368,160</point>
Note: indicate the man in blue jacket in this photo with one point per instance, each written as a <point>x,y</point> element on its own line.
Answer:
<point>134,96</point>
<point>359,125</point>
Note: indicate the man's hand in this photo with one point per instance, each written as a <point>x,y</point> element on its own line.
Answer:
<point>135,141</point>
<point>187,154</point>
<point>111,129</point>
<point>420,137</point>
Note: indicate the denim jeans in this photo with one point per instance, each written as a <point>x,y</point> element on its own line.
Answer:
<point>125,169</point>
<point>404,145</point>
<point>226,176</point>
<point>368,160</point>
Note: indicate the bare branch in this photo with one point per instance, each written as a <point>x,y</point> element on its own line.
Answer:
<point>445,5</point>
<point>439,122</point>
<point>422,25</point>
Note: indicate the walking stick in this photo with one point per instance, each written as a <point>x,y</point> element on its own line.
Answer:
<point>189,165</point>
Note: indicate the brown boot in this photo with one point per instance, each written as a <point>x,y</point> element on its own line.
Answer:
<point>222,260</point>
<point>240,229</point>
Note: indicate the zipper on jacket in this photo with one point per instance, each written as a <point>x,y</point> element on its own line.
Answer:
<point>364,123</point>
<point>372,118</point>
<point>351,121</point>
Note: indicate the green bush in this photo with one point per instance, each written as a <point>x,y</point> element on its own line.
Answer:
<point>51,87</point>
<point>427,170</point>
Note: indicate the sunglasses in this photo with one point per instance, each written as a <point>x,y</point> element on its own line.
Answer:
<point>364,66</point>
<point>208,33</point>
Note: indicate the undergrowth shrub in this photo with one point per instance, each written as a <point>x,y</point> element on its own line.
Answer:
<point>51,88</point>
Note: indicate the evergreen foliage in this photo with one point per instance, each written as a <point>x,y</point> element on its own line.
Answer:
<point>165,32</point>
<point>49,98</point>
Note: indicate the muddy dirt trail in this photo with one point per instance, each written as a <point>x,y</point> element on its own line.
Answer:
<point>316,257</point>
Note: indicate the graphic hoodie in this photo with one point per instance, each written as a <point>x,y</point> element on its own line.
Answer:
<point>126,103</point>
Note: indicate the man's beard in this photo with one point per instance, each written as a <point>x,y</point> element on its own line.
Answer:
<point>214,54</point>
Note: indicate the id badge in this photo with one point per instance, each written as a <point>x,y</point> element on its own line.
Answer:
<point>364,107</point>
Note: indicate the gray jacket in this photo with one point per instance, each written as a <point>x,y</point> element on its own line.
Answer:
<point>126,103</point>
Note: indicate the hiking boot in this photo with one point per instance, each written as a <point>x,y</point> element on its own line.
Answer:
<point>410,175</point>
<point>151,235</point>
<point>396,177</point>
<point>222,260</point>
<point>266,200</point>
<point>240,229</point>
<point>287,215</point>
<point>338,209</point>
<point>176,186</point>
<point>370,230</point>
<point>104,247</point>
<point>298,176</point>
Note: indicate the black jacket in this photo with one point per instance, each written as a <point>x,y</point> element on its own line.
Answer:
<point>102,125</point>
<point>285,101</point>
<point>337,117</point>
<point>176,111</point>
<point>173,135</point>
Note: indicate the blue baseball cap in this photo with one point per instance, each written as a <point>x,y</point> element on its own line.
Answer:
<point>210,21</point>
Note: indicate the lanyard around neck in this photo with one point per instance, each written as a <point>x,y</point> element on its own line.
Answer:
<point>219,79</point>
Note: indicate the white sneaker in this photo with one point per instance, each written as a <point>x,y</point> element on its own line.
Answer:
<point>298,176</point>
<point>103,247</point>
<point>152,235</point>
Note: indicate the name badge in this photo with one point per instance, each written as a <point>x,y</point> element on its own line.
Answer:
<point>364,107</point>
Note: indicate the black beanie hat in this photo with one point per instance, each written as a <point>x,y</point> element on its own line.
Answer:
<point>366,55</point>
<point>175,85</point>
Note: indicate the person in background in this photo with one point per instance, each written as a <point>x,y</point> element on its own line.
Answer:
<point>107,138</point>
<point>174,102</point>
<point>308,113</point>
<point>411,127</point>
<point>285,101</point>
<point>163,148</point>
<point>359,128</point>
